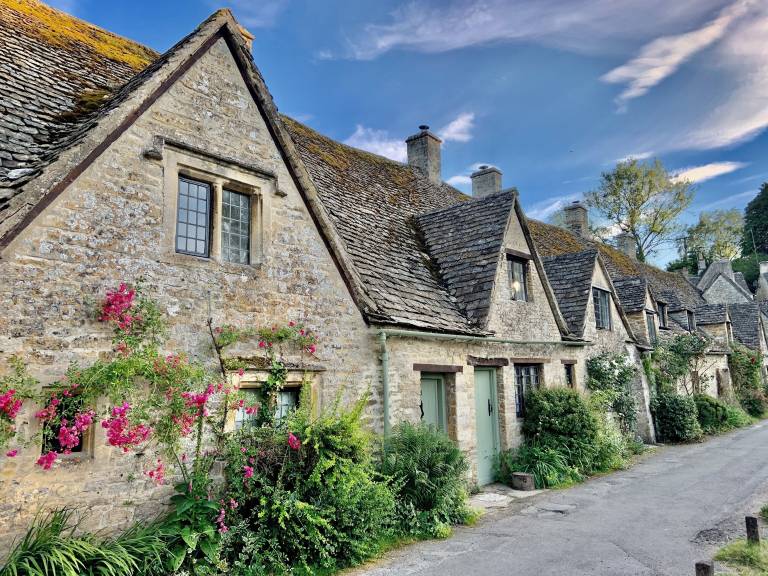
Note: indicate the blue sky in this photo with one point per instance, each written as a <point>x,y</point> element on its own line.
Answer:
<point>551,91</point>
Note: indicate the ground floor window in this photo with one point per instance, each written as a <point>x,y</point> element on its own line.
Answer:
<point>527,378</point>
<point>432,402</point>
<point>287,401</point>
<point>570,376</point>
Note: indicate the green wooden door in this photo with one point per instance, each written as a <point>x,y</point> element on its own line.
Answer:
<point>487,424</point>
<point>433,401</point>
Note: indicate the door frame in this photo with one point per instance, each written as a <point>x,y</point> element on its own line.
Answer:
<point>495,423</point>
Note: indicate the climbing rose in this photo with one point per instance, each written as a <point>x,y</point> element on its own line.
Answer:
<point>116,307</point>
<point>9,405</point>
<point>69,437</point>
<point>157,473</point>
<point>120,432</point>
<point>293,441</point>
<point>247,472</point>
<point>47,460</point>
<point>220,521</point>
<point>11,453</point>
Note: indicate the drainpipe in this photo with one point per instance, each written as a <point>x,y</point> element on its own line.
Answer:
<point>389,332</point>
<point>385,378</point>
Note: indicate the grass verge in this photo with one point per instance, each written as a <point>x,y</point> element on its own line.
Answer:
<point>745,559</point>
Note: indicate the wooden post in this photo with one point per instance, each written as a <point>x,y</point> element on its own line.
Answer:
<point>705,568</point>
<point>753,531</point>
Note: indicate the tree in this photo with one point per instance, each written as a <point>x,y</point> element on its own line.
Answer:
<point>643,200</point>
<point>756,223</point>
<point>717,235</point>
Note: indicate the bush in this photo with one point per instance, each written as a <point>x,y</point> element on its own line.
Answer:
<point>304,494</point>
<point>736,417</point>
<point>49,547</point>
<point>712,414</point>
<point>676,418</point>
<point>610,377</point>
<point>744,365</point>
<point>753,401</point>
<point>549,466</point>
<point>429,474</point>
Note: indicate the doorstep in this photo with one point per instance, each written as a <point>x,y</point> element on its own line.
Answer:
<point>496,496</point>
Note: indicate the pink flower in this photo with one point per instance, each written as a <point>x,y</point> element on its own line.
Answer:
<point>247,472</point>
<point>157,473</point>
<point>311,348</point>
<point>68,437</point>
<point>116,307</point>
<point>291,323</point>
<point>9,405</point>
<point>240,372</point>
<point>242,450</point>
<point>47,460</point>
<point>293,441</point>
<point>120,432</point>
<point>12,453</point>
<point>262,344</point>
<point>220,521</point>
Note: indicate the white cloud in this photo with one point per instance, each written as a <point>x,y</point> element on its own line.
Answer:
<point>638,156</point>
<point>254,13</point>
<point>459,129</point>
<point>459,180</point>
<point>735,201</point>
<point>545,208</point>
<point>662,57</point>
<point>708,171</point>
<point>379,142</point>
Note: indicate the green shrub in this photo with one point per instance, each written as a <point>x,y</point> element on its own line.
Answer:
<point>315,504</point>
<point>549,466</point>
<point>737,418</point>
<point>749,559</point>
<point>712,414</point>
<point>610,378</point>
<point>753,401</point>
<point>744,365</point>
<point>676,418</point>
<point>50,548</point>
<point>429,473</point>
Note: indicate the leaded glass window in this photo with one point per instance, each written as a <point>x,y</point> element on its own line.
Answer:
<point>602,301</point>
<point>236,227</point>
<point>526,379</point>
<point>518,278</point>
<point>193,218</point>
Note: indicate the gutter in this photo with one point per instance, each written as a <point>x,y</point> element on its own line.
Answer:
<point>385,333</point>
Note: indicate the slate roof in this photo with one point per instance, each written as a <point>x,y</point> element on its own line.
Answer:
<point>55,70</point>
<point>373,203</point>
<point>745,323</point>
<point>631,292</point>
<point>668,287</point>
<point>763,304</point>
<point>570,276</point>
<point>738,277</point>
<point>709,314</point>
<point>465,242</point>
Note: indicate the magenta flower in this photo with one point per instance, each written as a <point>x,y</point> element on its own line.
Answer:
<point>293,441</point>
<point>12,453</point>
<point>47,460</point>
<point>247,472</point>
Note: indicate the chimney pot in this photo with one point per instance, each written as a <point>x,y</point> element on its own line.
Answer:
<point>486,181</point>
<point>577,219</point>
<point>424,153</point>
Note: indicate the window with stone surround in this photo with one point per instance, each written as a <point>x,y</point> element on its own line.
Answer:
<point>193,218</point>
<point>651,322</point>
<point>236,227</point>
<point>662,314</point>
<point>602,300</point>
<point>287,401</point>
<point>691,320</point>
<point>527,378</point>
<point>517,270</point>
<point>570,375</point>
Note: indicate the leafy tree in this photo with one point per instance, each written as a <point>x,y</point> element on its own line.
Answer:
<point>717,235</point>
<point>756,223</point>
<point>748,265</point>
<point>643,200</point>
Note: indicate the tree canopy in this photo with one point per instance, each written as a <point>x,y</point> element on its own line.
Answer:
<point>756,223</point>
<point>643,200</point>
<point>717,235</point>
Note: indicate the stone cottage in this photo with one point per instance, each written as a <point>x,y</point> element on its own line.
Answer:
<point>117,163</point>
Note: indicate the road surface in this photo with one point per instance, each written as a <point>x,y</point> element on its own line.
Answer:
<point>674,507</point>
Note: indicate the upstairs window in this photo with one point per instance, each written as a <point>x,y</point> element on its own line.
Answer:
<point>691,320</point>
<point>518,278</point>
<point>650,320</point>
<point>236,227</point>
<point>602,299</point>
<point>662,314</point>
<point>193,218</point>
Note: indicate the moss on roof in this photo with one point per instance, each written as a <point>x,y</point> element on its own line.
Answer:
<point>62,30</point>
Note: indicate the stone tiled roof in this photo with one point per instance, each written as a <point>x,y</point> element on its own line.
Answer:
<point>373,203</point>
<point>631,292</point>
<point>465,242</point>
<point>745,322</point>
<point>738,277</point>
<point>55,71</point>
<point>763,304</point>
<point>570,276</point>
<point>708,314</point>
<point>668,287</point>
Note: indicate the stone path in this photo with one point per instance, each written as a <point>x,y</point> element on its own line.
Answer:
<point>672,508</point>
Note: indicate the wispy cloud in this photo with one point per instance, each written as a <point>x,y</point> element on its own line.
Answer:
<point>735,201</point>
<point>459,129</point>
<point>460,181</point>
<point>637,156</point>
<point>379,142</point>
<point>662,57</point>
<point>708,171</point>
<point>256,14</point>
<point>545,208</point>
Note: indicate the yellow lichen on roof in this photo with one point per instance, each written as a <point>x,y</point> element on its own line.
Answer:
<point>554,241</point>
<point>60,29</point>
<point>623,263</point>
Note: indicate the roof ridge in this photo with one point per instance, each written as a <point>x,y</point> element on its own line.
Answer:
<point>472,202</point>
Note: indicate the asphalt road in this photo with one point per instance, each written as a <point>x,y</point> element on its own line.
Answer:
<point>675,507</point>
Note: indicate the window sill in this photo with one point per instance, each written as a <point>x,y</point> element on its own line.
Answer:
<point>179,259</point>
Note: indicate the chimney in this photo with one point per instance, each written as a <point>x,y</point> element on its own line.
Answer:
<point>577,219</point>
<point>247,37</point>
<point>701,265</point>
<point>626,244</point>
<point>486,181</point>
<point>424,153</point>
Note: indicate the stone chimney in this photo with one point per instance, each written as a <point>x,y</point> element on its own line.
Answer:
<point>247,36</point>
<point>577,219</point>
<point>424,153</point>
<point>486,181</point>
<point>626,244</point>
<point>701,265</point>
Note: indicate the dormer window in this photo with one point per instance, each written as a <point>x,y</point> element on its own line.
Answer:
<point>517,269</point>
<point>662,314</point>
<point>602,299</point>
<point>651,322</point>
